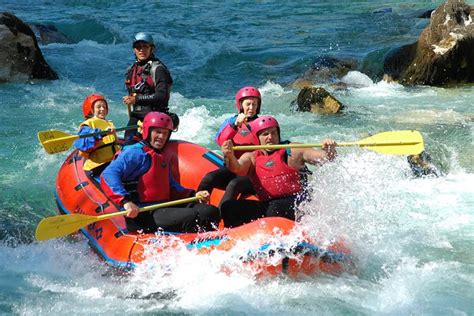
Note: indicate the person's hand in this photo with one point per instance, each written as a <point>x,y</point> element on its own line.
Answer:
<point>132,209</point>
<point>329,146</point>
<point>129,99</point>
<point>227,148</point>
<point>110,130</point>
<point>241,119</point>
<point>203,196</point>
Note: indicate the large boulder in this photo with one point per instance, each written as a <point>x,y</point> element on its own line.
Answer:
<point>20,56</point>
<point>444,52</point>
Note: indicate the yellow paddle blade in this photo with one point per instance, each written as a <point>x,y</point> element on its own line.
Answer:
<point>56,141</point>
<point>405,143</point>
<point>62,225</point>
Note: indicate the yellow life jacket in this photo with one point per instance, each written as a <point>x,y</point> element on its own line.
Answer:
<point>105,149</point>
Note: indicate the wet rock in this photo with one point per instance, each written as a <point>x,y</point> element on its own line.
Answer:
<point>372,64</point>
<point>48,33</point>
<point>327,69</point>
<point>426,14</point>
<point>443,54</point>
<point>397,60</point>
<point>422,165</point>
<point>317,100</point>
<point>20,56</point>
<point>301,83</point>
<point>339,86</point>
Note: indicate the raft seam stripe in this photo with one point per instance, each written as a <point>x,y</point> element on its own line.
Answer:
<point>214,158</point>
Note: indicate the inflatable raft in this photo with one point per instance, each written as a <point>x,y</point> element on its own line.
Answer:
<point>275,248</point>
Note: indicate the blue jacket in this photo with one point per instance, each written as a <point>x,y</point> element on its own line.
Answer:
<point>128,166</point>
<point>86,143</point>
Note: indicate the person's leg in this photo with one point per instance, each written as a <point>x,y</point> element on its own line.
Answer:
<point>236,213</point>
<point>216,179</point>
<point>238,185</point>
<point>208,217</point>
<point>143,222</point>
<point>199,217</point>
<point>282,207</point>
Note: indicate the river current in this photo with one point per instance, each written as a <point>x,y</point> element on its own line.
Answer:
<point>412,236</point>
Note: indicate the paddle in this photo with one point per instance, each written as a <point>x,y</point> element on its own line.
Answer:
<point>62,225</point>
<point>404,143</point>
<point>55,141</point>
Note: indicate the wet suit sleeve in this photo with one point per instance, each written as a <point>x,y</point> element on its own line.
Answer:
<point>87,144</point>
<point>128,166</point>
<point>161,96</point>
<point>226,131</point>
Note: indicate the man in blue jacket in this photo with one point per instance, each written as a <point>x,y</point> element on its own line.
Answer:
<point>141,174</point>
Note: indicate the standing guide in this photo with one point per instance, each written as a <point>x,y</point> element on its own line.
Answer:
<point>148,83</point>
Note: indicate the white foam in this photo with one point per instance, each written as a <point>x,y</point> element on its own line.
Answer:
<point>358,79</point>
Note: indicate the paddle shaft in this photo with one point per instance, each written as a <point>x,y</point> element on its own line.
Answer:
<point>148,208</point>
<point>62,225</point>
<point>103,133</point>
<point>348,144</point>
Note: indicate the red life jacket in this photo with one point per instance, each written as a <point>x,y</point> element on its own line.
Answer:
<point>244,137</point>
<point>140,75</point>
<point>241,136</point>
<point>153,186</point>
<point>273,177</point>
<point>141,79</point>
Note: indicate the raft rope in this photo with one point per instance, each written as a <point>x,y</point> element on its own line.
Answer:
<point>82,186</point>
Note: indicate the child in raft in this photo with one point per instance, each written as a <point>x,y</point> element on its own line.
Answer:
<point>248,101</point>
<point>98,150</point>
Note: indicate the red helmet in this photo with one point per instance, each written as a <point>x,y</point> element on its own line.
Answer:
<point>156,119</point>
<point>89,102</point>
<point>247,92</point>
<point>264,122</point>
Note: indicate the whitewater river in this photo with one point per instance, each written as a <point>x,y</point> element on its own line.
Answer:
<point>412,237</point>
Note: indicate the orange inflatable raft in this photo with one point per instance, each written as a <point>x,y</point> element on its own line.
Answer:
<point>271,253</point>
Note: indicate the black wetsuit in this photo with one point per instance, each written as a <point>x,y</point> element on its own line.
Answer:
<point>152,91</point>
<point>236,213</point>
<point>192,218</point>
<point>224,179</point>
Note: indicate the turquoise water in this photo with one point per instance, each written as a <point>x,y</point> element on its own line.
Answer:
<point>412,237</point>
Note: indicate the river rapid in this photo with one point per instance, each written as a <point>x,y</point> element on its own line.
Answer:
<point>412,237</point>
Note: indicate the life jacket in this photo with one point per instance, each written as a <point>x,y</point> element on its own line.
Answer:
<point>105,148</point>
<point>141,79</point>
<point>244,137</point>
<point>273,177</point>
<point>153,186</point>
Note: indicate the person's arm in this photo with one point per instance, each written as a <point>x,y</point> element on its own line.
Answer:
<point>87,144</point>
<point>229,128</point>
<point>319,156</point>
<point>128,166</point>
<point>162,92</point>
<point>241,166</point>
<point>226,131</point>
